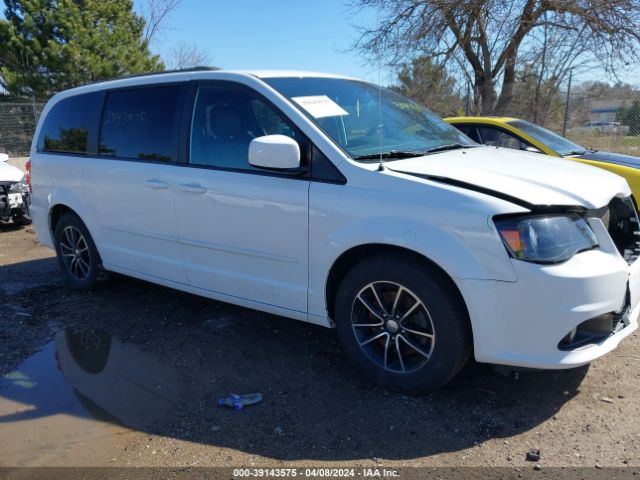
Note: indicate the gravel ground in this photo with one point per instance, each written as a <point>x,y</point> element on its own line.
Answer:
<point>130,375</point>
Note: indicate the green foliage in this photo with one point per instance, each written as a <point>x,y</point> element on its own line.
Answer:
<point>429,85</point>
<point>69,140</point>
<point>51,45</point>
<point>630,116</point>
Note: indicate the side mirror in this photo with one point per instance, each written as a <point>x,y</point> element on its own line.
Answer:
<point>277,152</point>
<point>532,150</point>
<point>4,157</point>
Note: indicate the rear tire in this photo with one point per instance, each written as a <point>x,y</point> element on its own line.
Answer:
<point>77,254</point>
<point>401,324</point>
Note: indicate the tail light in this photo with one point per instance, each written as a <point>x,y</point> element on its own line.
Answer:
<point>28,175</point>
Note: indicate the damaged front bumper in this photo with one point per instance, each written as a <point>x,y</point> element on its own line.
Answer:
<point>567,314</point>
<point>555,317</point>
<point>13,203</point>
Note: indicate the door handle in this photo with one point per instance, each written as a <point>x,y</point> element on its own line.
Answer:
<point>156,184</point>
<point>192,188</point>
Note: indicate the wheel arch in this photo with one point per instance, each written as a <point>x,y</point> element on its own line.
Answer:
<point>354,255</point>
<point>55,213</point>
<point>58,210</point>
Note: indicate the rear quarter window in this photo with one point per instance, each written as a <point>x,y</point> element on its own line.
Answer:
<point>70,124</point>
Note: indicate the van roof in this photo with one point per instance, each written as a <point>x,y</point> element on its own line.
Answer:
<point>260,73</point>
<point>193,73</point>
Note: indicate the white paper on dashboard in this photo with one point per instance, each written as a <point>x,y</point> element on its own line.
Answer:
<point>320,106</point>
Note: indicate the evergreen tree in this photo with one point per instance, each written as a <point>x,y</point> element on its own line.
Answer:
<point>429,85</point>
<point>51,45</point>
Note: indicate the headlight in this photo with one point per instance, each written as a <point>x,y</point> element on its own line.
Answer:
<point>19,187</point>
<point>546,238</point>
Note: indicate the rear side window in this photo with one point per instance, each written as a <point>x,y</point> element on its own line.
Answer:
<point>69,125</point>
<point>140,123</point>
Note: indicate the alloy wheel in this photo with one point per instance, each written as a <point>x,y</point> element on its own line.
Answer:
<point>393,327</point>
<point>75,253</point>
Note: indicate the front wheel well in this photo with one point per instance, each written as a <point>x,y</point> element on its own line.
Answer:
<point>353,256</point>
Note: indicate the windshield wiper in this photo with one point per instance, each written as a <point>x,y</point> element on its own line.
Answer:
<point>449,146</point>
<point>398,154</point>
<point>395,154</point>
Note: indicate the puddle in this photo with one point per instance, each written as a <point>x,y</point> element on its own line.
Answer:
<point>91,396</point>
<point>37,389</point>
<point>85,387</point>
<point>90,374</point>
<point>43,418</point>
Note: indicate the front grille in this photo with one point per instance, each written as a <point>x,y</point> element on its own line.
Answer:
<point>621,220</point>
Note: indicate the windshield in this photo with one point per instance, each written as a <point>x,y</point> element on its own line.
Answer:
<point>366,121</point>
<point>554,141</point>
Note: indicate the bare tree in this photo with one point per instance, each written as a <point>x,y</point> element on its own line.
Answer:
<point>156,13</point>
<point>485,38</point>
<point>542,69</point>
<point>187,55</point>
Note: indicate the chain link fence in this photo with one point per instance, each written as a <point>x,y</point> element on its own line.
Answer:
<point>605,118</point>
<point>18,122</point>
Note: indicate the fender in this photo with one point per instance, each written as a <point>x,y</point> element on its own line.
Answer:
<point>446,246</point>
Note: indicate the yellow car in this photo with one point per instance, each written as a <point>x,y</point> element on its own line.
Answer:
<point>522,135</point>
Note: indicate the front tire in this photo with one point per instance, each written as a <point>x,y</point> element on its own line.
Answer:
<point>77,254</point>
<point>401,324</point>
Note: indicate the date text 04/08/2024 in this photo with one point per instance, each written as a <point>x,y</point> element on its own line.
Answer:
<point>315,472</point>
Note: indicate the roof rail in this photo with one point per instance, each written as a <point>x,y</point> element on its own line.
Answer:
<point>148,74</point>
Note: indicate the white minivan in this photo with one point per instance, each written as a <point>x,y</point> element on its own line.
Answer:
<point>334,201</point>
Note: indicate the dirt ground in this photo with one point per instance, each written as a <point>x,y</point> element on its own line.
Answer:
<point>130,375</point>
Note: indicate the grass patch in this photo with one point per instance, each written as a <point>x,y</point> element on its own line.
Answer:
<point>610,143</point>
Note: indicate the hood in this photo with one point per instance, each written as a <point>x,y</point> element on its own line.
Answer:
<point>530,179</point>
<point>610,157</point>
<point>9,173</point>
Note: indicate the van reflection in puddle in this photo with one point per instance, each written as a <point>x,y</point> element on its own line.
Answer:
<point>118,379</point>
<point>112,380</point>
